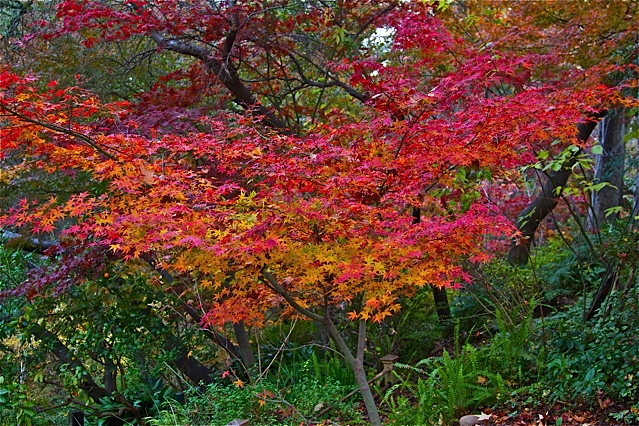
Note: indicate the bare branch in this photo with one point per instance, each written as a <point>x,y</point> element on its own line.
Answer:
<point>287,296</point>
<point>84,138</point>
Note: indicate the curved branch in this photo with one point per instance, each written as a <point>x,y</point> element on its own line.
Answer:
<point>362,97</point>
<point>272,282</point>
<point>217,338</point>
<point>228,76</point>
<point>84,138</point>
<point>529,219</point>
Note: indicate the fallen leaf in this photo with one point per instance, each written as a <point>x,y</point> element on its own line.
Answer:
<point>603,402</point>
<point>483,416</point>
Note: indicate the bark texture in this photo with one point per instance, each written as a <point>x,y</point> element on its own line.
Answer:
<point>609,167</point>
<point>246,351</point>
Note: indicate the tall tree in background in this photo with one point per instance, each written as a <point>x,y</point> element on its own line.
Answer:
<point>609,168</point>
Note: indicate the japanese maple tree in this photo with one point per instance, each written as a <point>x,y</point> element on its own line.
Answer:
<point>293,202</point>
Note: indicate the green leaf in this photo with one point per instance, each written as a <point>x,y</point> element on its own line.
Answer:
<point>613,210</point>
<point>631,135</point>
<point>597,150</point>
<point>599,186</point>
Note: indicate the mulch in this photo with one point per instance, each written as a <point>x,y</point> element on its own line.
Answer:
<point>562,414</point>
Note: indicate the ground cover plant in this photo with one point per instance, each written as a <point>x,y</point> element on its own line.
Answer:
<point>213,208</point>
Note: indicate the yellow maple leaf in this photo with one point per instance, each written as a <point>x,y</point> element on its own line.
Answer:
<point>238,383</point>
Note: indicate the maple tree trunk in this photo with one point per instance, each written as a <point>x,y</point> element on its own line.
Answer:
<point>356,363</point>
<point>439,293</point>
<point>110,374</point>
<point>529,219</point>
<point>609,167</point>
<point>442,306</point>
<point>357,366</point>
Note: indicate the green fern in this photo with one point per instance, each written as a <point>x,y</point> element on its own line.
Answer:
<point>452,385</point>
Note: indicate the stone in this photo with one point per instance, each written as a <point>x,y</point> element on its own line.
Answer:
<point>469,420</point>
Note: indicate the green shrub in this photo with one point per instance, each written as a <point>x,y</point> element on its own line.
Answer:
<point>304,362</point>
<point>262,403</point>
<point>602,356</point>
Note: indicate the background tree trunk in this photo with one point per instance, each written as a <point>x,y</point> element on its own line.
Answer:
<point>609,167</point>
<point>246,351</point>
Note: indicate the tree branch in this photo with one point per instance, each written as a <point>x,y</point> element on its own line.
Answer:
<point>228,76</point>
<point>529,219</point>
<point>217,338</point>
<point>361,341</point>
<point>31,244</point>
<point>336,82</point>
<point>287,296</point>
<point>64,354</point>
<point>84,138</point>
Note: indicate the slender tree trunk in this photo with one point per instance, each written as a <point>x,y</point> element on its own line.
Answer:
<point>609,167</point>
<point>439,293</point>
<point>357,366</point>
<point>529,219</point>
<point>355,362</point>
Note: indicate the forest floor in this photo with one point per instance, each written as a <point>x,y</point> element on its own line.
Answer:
<point>607,413</point>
